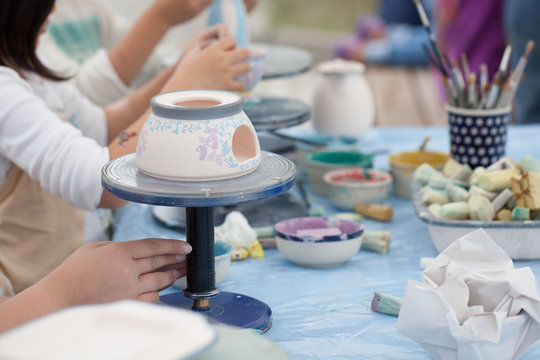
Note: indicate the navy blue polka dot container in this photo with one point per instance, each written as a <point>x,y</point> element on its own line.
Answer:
<point>477,137</point>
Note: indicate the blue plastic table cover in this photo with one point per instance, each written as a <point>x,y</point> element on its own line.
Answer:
<point>326,313</point>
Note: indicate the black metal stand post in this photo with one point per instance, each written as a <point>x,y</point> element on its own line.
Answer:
<point>201,274</point>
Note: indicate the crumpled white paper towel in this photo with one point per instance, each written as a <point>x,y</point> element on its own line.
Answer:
<point>236,231</point>
<point>473,303</point>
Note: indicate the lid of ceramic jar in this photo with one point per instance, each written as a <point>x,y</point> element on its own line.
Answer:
<point>196,104</point>
<point>341,67</point>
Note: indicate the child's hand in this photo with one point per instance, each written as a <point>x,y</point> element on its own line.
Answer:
<point>173,12</point>
<point>106,271</point>
<point>250,4</point>
<point>213,67</point>
<point>207,37</point>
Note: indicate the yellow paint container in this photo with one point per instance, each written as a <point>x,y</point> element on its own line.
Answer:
<point>403,164</point>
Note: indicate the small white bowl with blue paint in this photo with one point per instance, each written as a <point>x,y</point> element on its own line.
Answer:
<point>352,186</point>
<point>317,242</point>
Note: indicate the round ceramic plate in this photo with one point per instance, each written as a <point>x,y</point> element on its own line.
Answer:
<point>124,330</point>
<point>272,112</point>
<point>284,61</point>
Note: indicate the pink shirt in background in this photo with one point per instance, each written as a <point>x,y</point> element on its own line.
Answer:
<point>473,27</point>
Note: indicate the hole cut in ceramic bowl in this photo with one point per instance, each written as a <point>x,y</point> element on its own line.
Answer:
<point>198,103</point>
<point>244,145</point>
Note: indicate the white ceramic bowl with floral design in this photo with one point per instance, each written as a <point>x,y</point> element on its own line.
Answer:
<point>198,135</point>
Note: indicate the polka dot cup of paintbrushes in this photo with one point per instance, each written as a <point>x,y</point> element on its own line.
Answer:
<point>478,136</point>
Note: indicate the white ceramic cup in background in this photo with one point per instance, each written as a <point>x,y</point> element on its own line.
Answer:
<point>343,102</point>
<point>198,135</point>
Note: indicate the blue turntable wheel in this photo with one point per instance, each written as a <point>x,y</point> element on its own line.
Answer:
<point>274,176</point>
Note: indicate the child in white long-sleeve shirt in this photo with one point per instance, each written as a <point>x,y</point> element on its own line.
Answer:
<point>50,169</point>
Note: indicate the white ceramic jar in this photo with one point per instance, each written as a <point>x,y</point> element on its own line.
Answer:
<point>198,135</point>
<point>343,103</point>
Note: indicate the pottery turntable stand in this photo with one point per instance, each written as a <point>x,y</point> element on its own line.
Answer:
<point>274,176</point>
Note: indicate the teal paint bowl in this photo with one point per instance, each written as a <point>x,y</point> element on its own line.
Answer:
<point>321,162</point>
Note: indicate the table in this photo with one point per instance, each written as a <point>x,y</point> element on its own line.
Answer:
<point>325,313</point>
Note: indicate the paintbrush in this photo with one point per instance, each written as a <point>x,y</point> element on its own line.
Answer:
<point>465,66</point>
<point>461,83</point>
<point>513,81</point>
<point>484,85</point>
<point>472,94</point>
<point>452,93</point>
<point>303,193</point>
<point>494,91</point>
<point>431,57</point>
<point>503,67</point>
<point>454,80</point>
<point>451,96</point>
<point>425,23</point>
<point>498,79</point>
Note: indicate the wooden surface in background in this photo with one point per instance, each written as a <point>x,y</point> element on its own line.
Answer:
<point>405,97</point>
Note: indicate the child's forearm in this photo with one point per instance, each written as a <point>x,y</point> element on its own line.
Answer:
<point>122,113</point>
<point>23,307</point>
<point>131,52</point>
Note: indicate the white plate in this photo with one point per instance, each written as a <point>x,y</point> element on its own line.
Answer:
<point>127,330</point>
<point>520,239</point>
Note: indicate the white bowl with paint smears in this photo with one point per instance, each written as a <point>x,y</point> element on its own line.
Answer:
<point>321,161</point>
<point>198,135</point>
<point>350,187</point>
<point>318,242</point>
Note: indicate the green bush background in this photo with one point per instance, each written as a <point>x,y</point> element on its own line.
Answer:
<point>329,15</point>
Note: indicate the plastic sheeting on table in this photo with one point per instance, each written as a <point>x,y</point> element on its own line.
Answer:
<point>325,313</point>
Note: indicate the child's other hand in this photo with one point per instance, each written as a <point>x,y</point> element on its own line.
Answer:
<point>206,37</point>
<point>250,4</point>
<point>173,12</point>
<point>107,271</point>
<point>213,67</point>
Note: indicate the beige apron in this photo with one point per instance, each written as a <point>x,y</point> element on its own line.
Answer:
<point>38,231</point>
